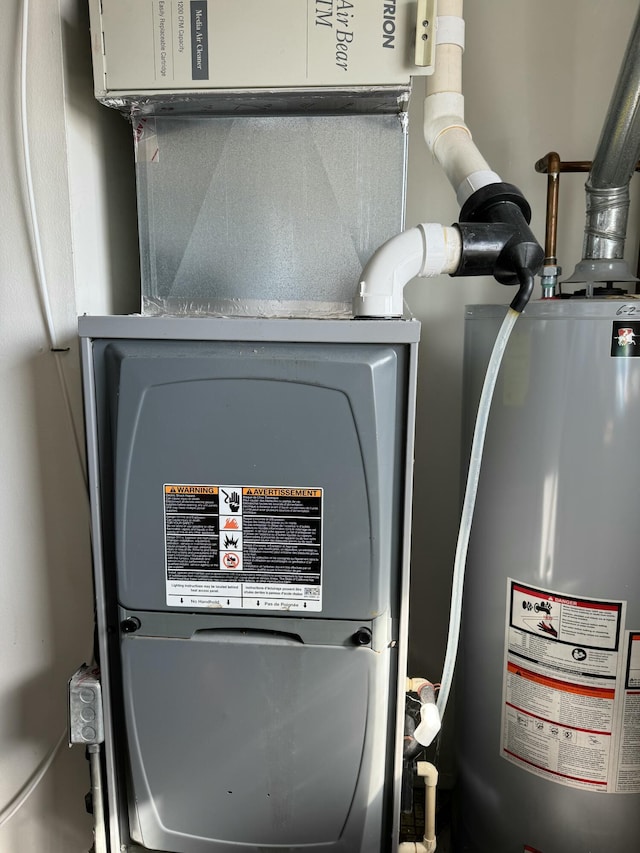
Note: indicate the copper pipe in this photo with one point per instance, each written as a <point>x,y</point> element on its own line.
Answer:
<point>552,165</point>
<point>549,161</point>
<point>542,165</point>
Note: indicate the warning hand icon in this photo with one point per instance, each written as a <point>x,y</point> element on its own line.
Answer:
<point>232,500</point>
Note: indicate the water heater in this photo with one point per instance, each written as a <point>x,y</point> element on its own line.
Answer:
<point>548,732</point>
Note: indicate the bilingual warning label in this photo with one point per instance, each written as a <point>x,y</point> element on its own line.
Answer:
<point>628,748</point>
<point>563,692</point>
<point>248,547</point>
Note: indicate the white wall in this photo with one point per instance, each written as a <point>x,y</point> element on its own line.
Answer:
<point>538,75</point>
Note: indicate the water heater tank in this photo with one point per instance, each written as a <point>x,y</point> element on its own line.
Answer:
<point>549,685</point>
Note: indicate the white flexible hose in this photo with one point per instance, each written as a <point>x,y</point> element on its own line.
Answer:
<point>21,797</point>
<point>41,276</point>
<point>468,506</point>
<point>32,783</point>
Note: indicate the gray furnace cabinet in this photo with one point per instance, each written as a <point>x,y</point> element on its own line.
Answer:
<point>251,489</point>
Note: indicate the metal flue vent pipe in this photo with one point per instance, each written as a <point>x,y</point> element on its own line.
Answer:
<point>607,187</point>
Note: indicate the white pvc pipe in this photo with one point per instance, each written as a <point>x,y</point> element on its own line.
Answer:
<point>426,250</point>
<point>445,130</point>
<point>428,844</point>
<point>430,250</point>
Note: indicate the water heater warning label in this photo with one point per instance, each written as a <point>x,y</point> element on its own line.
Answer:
<point>628,747</point>
<point>564,695</point>
<point>248,547</point>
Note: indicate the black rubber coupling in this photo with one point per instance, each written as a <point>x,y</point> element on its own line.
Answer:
<point>497,240</point>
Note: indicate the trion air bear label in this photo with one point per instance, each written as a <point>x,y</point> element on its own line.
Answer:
<point>571,690</point>
<point>248,547</point>
<point>184,45</point>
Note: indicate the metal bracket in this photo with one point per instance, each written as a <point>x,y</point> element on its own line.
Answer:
<point>425,34</point>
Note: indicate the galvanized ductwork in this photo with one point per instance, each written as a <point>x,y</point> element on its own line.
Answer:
<point>607,187</point>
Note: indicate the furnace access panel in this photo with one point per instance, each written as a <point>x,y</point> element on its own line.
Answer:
<point>252,509</point>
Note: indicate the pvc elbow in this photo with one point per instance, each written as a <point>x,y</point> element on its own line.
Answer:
<point>426,250</point>
<point>450,140</point>
<point>380,291</point>
<point>429,725</point>
<point>443,111</point>
<point>430,722</point>
<point>428,772</point>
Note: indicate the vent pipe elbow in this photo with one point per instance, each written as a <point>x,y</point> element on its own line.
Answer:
<point>424,251</point>
<point>450,141</point>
